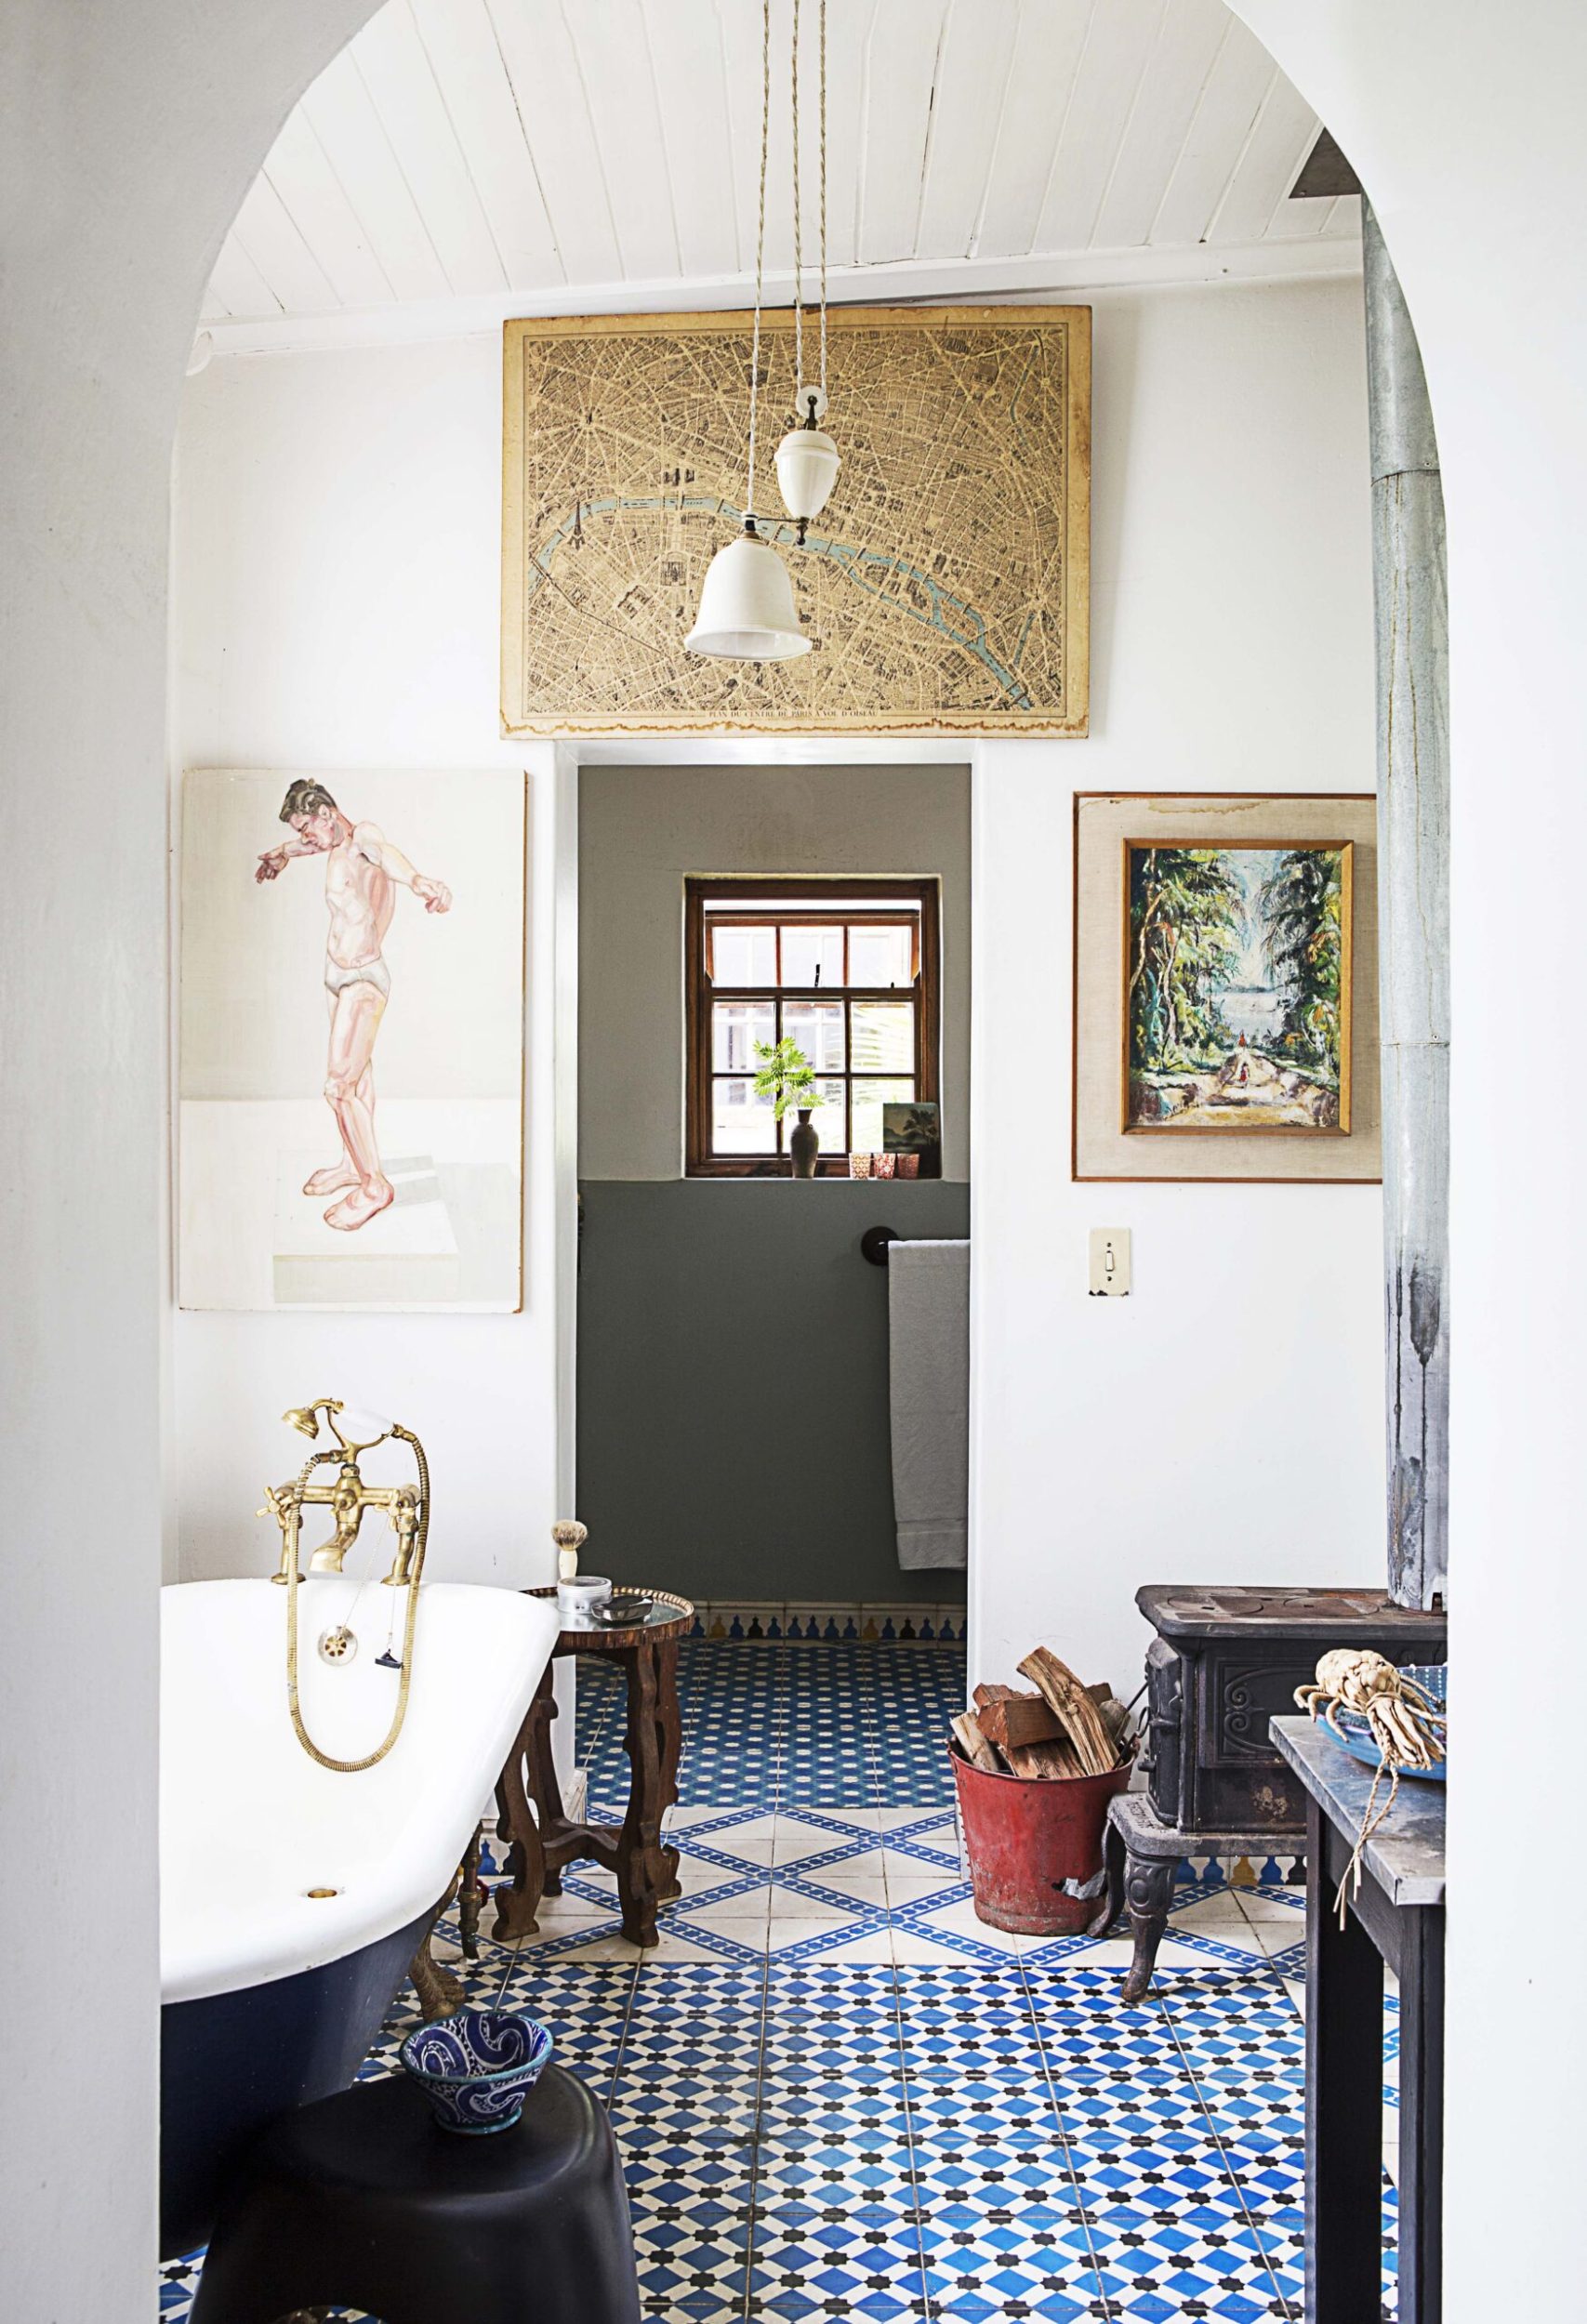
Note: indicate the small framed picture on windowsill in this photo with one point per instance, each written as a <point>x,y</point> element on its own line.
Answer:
<point>915,1131</point>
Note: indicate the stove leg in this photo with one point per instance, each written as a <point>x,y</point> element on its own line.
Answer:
<point>1148,1893</point>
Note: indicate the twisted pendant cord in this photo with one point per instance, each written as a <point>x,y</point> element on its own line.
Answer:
<point>759,250</point>
<point>823,197</point>
<point>798,235</point>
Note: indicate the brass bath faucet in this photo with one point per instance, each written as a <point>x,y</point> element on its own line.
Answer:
<point>347,1499</point>
<point>408,1509</point>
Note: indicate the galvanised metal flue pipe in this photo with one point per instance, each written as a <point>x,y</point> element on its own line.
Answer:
<point>1412,599</point>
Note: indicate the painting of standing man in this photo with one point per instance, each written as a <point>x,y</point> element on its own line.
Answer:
<point>363,870</point>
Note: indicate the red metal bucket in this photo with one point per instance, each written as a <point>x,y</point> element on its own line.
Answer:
<point>1034,1846</point>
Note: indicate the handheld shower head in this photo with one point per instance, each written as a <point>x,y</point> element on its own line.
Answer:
<point>357,1428</point>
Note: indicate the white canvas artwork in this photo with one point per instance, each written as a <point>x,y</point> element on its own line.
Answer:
<point>351,1041</point>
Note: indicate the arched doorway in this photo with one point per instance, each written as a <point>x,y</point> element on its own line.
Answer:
<point>129,153</point>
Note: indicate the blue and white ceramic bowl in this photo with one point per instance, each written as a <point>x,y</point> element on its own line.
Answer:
<point>1350,1729</point>
<point>477,2067</point>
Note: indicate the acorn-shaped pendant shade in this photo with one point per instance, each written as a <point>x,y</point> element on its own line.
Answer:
<point>747,606</point>
<point>807,462</point>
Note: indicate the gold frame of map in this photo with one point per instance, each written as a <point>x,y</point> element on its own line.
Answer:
<point>991,404</point>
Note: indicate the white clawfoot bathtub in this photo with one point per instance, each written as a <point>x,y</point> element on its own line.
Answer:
<point>272,1994</point>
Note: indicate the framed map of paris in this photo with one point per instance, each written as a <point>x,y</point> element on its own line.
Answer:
<point>945,586</point>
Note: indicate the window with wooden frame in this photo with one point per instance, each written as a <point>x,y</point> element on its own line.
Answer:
<point>849,968</point>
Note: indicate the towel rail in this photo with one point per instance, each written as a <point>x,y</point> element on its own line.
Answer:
<point>874,1243</point>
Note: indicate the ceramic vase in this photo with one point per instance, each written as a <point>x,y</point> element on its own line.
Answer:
<point>803,1145</point>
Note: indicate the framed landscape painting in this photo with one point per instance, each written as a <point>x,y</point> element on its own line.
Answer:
<point>1225,986</point>
<point>1238,964</point>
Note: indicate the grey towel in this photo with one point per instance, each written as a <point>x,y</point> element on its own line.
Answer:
<point>928,1321</point>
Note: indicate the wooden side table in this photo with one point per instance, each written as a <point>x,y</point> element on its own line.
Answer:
<point>1397,1916</point>
<point>542,1837</point>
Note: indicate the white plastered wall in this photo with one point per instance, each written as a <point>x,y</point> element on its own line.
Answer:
<point>127,138</point>
<point>1224,1422</point>
<point>1465,120</point>
<point>335,607</point>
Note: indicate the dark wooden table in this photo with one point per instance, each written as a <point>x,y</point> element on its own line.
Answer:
<point>1397,1918</point>
<point>542,1837</point>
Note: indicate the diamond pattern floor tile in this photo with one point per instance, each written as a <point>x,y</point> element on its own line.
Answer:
<point>838,2093</point>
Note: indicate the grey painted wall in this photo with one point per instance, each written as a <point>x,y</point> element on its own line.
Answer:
<point>733,1423</point>
<point>732,1435</point>
<point>643,830</point>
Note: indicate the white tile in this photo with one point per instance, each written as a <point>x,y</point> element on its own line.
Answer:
<point>909,1945</point>
<point>792,1930</point>
<point>938,1830</point>
<point>1207,1912</point>
<point>960,1921</point>
<point>675,1945</point>
<point>1116,1952</point>
<point>869,1864</point>
<point>907,1886</point>
<point>752,1904</point>
<point>732,1836</point>
<point>856,1819</point>
<point>602,1948</point>
<point>557,1913</point>
<point>699,1879</point>
<point>585,1875</point>
<point>875,1947</point>
<point>795,1842</point>
<point>749,1853</point>
<point>868,1888</point>
<point>1228,1927</point>
<point>1269,1903</point>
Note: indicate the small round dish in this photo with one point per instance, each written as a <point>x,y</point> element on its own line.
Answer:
<point>1351,1732</point>
<point>477,2067</point>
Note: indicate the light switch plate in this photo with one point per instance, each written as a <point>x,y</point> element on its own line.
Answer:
<point>1110,1262</point>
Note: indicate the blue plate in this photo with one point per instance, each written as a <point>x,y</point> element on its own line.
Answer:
<point>1350,1730</point>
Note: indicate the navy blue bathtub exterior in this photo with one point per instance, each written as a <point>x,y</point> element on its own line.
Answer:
<point>230,2062</point>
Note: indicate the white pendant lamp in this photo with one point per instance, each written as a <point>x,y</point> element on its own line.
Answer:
<point>808,460</point>
<point>747,606</point>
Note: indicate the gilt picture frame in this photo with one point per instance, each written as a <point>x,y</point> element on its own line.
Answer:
<point>944,588</point>
<point>1225,988</point>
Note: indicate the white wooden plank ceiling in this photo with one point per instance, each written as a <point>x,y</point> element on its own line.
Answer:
<point>466,159</point>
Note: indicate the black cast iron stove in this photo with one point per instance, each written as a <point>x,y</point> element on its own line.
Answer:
<point>1224,1662</point>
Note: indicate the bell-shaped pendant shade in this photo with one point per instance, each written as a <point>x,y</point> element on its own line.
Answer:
<point>747,606</point>
<point>807,462</point>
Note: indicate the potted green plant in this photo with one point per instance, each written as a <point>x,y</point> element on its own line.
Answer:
<point>787,1078</point>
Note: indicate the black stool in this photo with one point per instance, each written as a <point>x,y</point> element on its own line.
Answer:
<point>360,2201</point>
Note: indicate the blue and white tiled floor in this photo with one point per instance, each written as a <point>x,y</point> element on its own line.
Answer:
<point>840,2094</point>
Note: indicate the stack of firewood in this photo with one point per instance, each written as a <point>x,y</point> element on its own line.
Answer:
<point>1064,1729</point>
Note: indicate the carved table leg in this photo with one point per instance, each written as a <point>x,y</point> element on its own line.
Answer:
<point>518,1896</point>
<point>1148,1893</point>
<point>470,1900</point>
<point>647,1872</point>
<point>544,1789</point>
